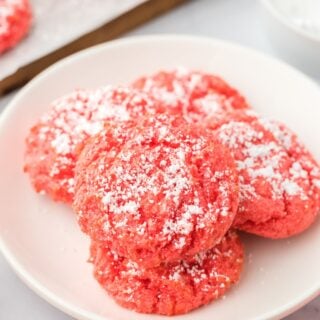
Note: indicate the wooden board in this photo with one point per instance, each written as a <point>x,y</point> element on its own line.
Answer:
<point>109,31</point>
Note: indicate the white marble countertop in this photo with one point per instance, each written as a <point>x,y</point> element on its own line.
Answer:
<point>234,20</point>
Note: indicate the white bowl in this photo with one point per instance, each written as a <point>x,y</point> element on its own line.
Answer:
<point>292,42</point>
<point>41,239</point>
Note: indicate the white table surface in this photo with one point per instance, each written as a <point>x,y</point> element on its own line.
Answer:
<point>234,20</point>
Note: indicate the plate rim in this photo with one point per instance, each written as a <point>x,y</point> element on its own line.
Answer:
<point>36,285</point>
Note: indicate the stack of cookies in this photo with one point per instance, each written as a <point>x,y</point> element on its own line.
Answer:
<point>161,174</point>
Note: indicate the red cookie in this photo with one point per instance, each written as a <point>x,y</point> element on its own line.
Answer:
<point>51,151</point>
<point>193,94</point>
<point>170,289</point>
<point>279,179</point>
<point>15,21</point>
<point>166,192</point>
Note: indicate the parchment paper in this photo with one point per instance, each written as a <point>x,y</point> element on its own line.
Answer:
<point>58,22</point>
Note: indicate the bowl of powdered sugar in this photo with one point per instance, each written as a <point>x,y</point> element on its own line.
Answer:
<point>294,30</point>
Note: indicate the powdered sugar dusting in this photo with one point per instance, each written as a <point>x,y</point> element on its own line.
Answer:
<point>283,136</point>
<point>303,168</point>
<point>291,188</point>
<point>315,176</point>
<point>199,273</point>
<point>195,95</point>
<point>201,268</point>
<point>199,279</point>
<point>74,118</point>
<point>8,9</point>
<point>154,183</point>
<point>133,183</point>
<point>259,157</point>
<point>62,144</point>
<point>210,103</point>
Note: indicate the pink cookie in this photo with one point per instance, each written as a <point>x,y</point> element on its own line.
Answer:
<point>15,21</point>
<point>279,179</point>
<point>195,95</point>
<point>156,193</point>
<point>170,289</point>
<point>52,143</point>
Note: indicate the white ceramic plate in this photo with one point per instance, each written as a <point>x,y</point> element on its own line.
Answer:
<point>41,239</point>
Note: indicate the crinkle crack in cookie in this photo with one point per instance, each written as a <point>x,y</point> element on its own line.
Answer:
<point>170,289</point>
<point>156,193</point>
<point>51,146</point>
<point>279,179</point>
<point>195,95</point>
<point>15,21</point>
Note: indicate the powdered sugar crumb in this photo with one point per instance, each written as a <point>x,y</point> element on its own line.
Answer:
<point>291,188</point>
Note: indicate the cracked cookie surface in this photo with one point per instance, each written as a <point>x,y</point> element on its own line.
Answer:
<point>194,95</point>
<point>279,179</point>
<point>51,145</point>
<point>166,192</point>
<point>175,288</point>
